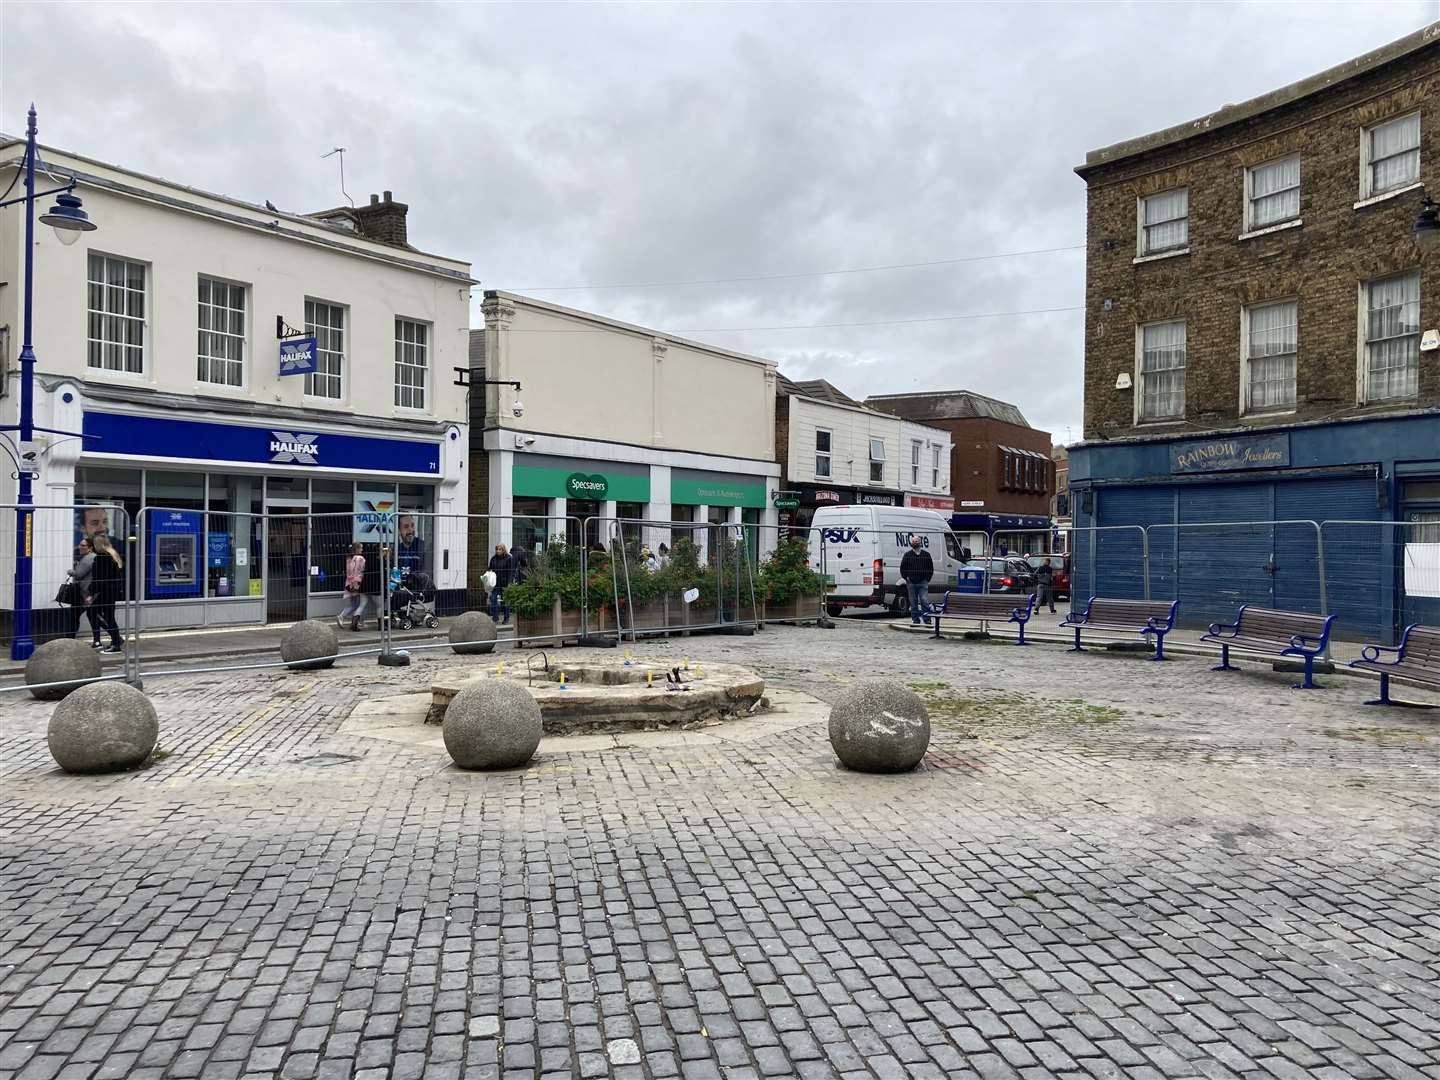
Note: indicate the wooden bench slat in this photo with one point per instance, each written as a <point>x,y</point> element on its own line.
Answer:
<point>1417,660</point>
<point>1270,631</point>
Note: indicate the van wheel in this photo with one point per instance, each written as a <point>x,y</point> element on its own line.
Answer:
<point>833,610</point>
<point>900,605</point>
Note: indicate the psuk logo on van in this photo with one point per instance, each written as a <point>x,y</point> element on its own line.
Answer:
<point>840,536</point>
<point>300,449</point>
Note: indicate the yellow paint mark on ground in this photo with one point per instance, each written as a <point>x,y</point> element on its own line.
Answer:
<point>222,744</point>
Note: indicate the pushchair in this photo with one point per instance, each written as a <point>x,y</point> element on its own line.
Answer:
<point>412,601</point>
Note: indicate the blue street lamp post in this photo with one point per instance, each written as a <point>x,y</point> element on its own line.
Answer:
<point>68,220</point>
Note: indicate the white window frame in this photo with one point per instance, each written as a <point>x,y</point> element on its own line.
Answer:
<point>1251,224</point>
<point>877,457</point>
<point>117,319</point>
<point>1139,392</point>
<point>1362,389</point>
<point>1367,170</point>
<point>1143,249</point>
<point>935,467</point>
<point>1246,408</point>
<point>323,347</point>
<point>826,455</point>
<point>406,353</point>
<point>205,360</point>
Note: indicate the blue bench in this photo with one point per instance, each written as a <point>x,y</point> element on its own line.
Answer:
<point>984,608</point>
<point>1273,633</point>
<point>1146,617</point>
<point>1417,660</point>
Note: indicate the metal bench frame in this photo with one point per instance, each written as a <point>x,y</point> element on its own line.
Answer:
<point>1018,615</point>
<point>1370,661</point>
<point>1306,646</point>
<point>1080,620</point>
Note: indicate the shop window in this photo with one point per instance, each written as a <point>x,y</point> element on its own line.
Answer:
<point>233,538</point>
<point>627,512</point>
<point>531,529</point>
<point>415,529</point>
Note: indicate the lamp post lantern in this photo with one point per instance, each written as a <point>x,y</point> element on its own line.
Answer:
<point>68,220</point>
<point>1427,225</point>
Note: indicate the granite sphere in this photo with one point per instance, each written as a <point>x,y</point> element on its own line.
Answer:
<point>879,725</point>
<point>472,633</point>
<point>63,660</point>
<point>102,727</point>
<point>309,645</point>
<point>492,724</point>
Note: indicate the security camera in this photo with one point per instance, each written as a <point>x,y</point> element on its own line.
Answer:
<point>518,408</point>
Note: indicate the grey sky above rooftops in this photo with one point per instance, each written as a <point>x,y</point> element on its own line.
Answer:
<point>559,145</point>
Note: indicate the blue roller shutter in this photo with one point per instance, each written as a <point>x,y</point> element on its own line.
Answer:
<point>1218,566</point>
<point>1119,552</point>
<point>1359,559</point>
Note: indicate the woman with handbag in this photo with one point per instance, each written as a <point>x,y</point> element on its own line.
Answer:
<point>107,589</point>
<point>76,591</point>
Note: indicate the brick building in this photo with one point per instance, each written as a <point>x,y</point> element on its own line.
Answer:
<point>1255,346</point>
<point>1001,475</point>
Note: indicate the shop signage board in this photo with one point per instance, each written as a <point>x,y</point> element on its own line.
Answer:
<point>587,486</point>
<point>691,488</point>
<point>930,502</point>
<point>786,502</point>
<point>203,440</point>
<point>598,485</point>
<point>297,356</point>
<point>1234,452</point>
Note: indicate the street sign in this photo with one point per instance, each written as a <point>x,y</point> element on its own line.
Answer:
<point>297,356</point>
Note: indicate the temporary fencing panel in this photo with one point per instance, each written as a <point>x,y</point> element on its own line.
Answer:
<point>1359,581</point>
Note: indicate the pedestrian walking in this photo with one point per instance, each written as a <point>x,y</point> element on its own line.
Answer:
<point>1045,585</point>
<point>917,568</point>
<point>355,599</point>
<point>78,587</point>
<point>502,565</point>
<point>107,578</point>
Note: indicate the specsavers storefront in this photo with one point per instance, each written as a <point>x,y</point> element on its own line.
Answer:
<point>581,497</point>
<point>251,522</point>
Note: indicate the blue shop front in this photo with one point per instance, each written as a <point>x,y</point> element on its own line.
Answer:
<point>1342,517</point>
<point>251,522</point>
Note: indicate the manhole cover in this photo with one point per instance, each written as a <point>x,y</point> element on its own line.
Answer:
<point>328,759</point>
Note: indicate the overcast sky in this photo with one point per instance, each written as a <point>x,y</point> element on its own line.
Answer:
<point>561,145</point>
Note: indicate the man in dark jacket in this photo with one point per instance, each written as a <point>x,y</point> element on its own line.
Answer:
<point>1045,586</point>
<point>917,569</point>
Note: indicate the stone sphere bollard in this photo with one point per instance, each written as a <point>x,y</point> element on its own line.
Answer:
<point>309,645</point>
<point>62,660</point>
<point>879,726</point>
<point>492,724</point>
<point>469,629</point>
<point>103,727</point>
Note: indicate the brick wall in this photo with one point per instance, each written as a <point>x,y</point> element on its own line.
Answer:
<point>1321,263</point>
<point>479,542</point>
<point>782,436</point>
<point>975,464</point>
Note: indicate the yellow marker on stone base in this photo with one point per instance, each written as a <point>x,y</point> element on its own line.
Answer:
<point>650,678</point>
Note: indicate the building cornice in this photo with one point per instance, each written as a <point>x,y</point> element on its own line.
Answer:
<point>1190,435</point>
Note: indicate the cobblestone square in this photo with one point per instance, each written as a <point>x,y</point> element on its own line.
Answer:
<point>1104,868</point>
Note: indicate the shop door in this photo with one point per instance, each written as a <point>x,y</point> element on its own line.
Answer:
<point>1420,566</point>
<point>286,569</point>
<point>588,511</point>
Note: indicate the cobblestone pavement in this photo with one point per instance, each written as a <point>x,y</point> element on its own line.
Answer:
<point>1104,868</point>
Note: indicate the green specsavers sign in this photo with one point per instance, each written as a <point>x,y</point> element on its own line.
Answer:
<point>692,488</point>
<point>583,486</point>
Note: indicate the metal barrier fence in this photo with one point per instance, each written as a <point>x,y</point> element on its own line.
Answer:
<point>600,578</point>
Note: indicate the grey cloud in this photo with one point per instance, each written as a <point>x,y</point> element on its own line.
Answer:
<point>566,144</point>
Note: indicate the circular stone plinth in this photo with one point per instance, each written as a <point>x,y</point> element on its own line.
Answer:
<point>472,634</point>
<point>309,645</point>
<point>63,660</point>
<point>879,726</point>
<point>103,727</point>
<point>608,695</point>
<point>492,725</point>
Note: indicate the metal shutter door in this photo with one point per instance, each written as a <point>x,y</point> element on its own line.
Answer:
<point>1359,559</point>
<point>1219,567</point>
<point>1119,553</point>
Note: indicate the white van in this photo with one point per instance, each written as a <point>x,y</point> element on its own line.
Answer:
<point>859,548</point>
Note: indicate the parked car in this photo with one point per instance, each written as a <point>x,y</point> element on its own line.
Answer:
<point>1060,563</point>
<point>1005,574</point>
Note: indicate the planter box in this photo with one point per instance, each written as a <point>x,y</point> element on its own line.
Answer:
<point>649,616</point>
<point>797,607</point>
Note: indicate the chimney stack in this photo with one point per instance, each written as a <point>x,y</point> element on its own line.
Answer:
<point>382,220</point>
